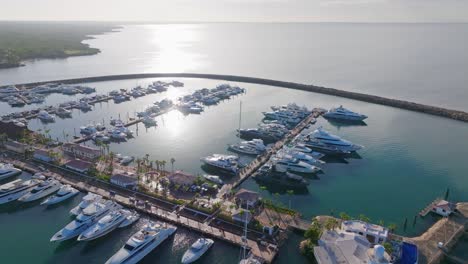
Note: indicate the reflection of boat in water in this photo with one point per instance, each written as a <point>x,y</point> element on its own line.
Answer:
<point>197,250</point>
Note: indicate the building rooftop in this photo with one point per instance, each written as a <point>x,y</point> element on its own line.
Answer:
<point>82,148</point>
<point>182,178</point>
<point>246,195</point>
<point>364,227</point>
<point>79,164</point>
<point>15,144</point>
<point>124,178</point>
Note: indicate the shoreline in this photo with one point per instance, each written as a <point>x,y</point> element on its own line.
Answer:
<point>397,103</point>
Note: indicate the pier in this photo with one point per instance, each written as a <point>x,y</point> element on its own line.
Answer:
<point>402,104</point>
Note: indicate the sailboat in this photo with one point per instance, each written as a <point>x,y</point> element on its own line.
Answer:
<point>247,258</point>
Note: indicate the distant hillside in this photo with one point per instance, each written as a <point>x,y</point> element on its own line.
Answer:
<point>20,41</point>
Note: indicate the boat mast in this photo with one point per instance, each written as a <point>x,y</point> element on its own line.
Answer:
<point>244,239</point>
<point>240,118</point>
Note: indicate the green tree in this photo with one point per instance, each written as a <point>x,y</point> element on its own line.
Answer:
<point>172,164</point>
<point>364,218</point>
<point>314,232</point>
<point>344,216</point>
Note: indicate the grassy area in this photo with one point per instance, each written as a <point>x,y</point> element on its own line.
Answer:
<point>20,41</point>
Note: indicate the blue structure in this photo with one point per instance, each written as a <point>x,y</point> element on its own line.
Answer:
<point>409,254</point>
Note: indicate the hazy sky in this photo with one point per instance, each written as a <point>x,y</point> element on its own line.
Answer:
<point>238,10</point>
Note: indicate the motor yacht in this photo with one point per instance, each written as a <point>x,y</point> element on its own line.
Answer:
<point>213,178</point>
<point>100,137</point>
<point>196,250</point>
<point>63,112</point>
<point>268,174</point>
<point>117,134</point>
<point>8,170</point>
<point>301,156</point>
<point>104,226</point>
<point>65,192</point>
<point>325,148</point>
<point>325,137</point>
<point>88,129</point>
<point>287,163</point>
<point>342,113</point>
<point>130,217</point>
<point>141,244</point>
<point>228,163</point>
<point>252,147</point>
<point>301,147</point>
<point>42,190</point>
<point>252,133</point>
<point>45,117</point>
<point>13,190</point>
<point>149,121</point>
<point>89,216</point>
<point>84,106</point>
<point>8,90</point>
<point>85,202</point>
<point>191,107</point>
<point>16,102</point>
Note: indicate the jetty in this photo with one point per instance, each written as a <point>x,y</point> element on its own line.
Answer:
<point>428,208</point>
<point>161,209</point>
<point>407,105</point>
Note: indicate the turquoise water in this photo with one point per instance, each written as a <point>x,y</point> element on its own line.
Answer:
<point>408,160</point>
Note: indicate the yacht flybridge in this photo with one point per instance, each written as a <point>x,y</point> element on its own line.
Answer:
<point>13,190</point>
<point>141,244</point>
<point>85,202</point>
<point>42,190</point>
<point>342,113</point>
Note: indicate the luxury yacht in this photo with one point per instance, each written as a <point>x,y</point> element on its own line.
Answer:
<point>117,135</point>
<point>333,140</point>
<point>252,147</point>
<point>213,178</point>
<point>342,113</point>
<point>7,170</point>
<point>88,129</point>
<point>301,156</point>
<point>149,121</point>
<point>196,250</point>
<point>130,217</point>
<point>227,163</point>
<point>301,147</point>
<point>13,190</point>
<point>85,202</point>
<point>141,244</point>
<point>90,215</point>
<point>65,192</point>
<point>104,226</point>
<point>287,163</point>
<point>252,133</point>
<point>45,117</point>
<point>268,174</point>
<point>42,190</point>
<point>325,148</point>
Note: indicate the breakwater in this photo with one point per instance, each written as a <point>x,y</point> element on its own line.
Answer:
<point>402,104</point>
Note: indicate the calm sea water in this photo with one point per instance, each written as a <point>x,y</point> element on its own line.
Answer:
<point>408,160</point>
<point>420,62</point>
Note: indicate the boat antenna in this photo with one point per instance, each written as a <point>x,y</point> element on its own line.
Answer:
<point>240,117</point>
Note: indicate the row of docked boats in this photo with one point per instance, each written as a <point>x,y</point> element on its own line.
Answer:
<point>194,103</point>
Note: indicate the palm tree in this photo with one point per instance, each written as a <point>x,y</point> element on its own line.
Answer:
<point>163,163</point>
<point>290,193</point>
<point>172,163</point>
<point>157,164</point>
<point>344,216</point>
<point>364,218</point>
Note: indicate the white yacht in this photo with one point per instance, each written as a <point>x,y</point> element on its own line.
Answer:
<point>342,113</point>
<point>196,250</point>
<point>85,202</point>
<point>301,156</point>
<point>88,129</point>
<point>63,112</point>
<point>90,215</point>
<point>84,106</point>
<point>104,226</point>
<point>333,140</point>
<point>130,217</point>
<point>8,89</point>
<point>213,178</point>
<point>301,147</point>
<point>46,117</point>
<point>117,135</point>
<point>227,163</point>
<point>141,244</point>
<point>149,121</point>
<point>13,190</point>
<point>65,192</point>
<point>7,170</point>
<point>287,163</point>
<point>100,137</point>
<point>252,147</point>
<point>42,190</point>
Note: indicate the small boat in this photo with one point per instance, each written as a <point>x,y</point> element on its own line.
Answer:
<point>88,129</point>
<point>85,202</point>
<point>149,121</point>
<point>126,160</point>
<point>63,112</point>
<point>117,135</point>
<point>213,178</point>
<point>11,191</point>
<point>130,218</point>
<point>100,137</point>
<point>84,106</point>
<point>197,250</point>
<point>44,189</point>
<point>45,117</point>
<point>65,192</point>
<point>104,226</point>
<point>8,170</point>
<point>141,244</point>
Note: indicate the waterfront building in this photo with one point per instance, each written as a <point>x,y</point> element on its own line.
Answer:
<point>247,198</point>
<point>13,131</point>
<point>16,146</point>
<point>443,208</point>
<point>337,246</point>
<point>42,155</point>
<point>375,234</point>
<point>129,181</point>
<point>181,178</point>
<point>81,151</point>
<point>77,165</point>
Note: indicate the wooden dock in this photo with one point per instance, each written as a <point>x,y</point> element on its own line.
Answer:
<point>428,208</point>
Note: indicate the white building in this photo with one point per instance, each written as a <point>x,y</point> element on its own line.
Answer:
<point>341,247</point>
<point>375,234</point>
<point>443,208</point>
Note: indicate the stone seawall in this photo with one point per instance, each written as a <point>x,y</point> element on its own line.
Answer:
<point>422,108</point>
